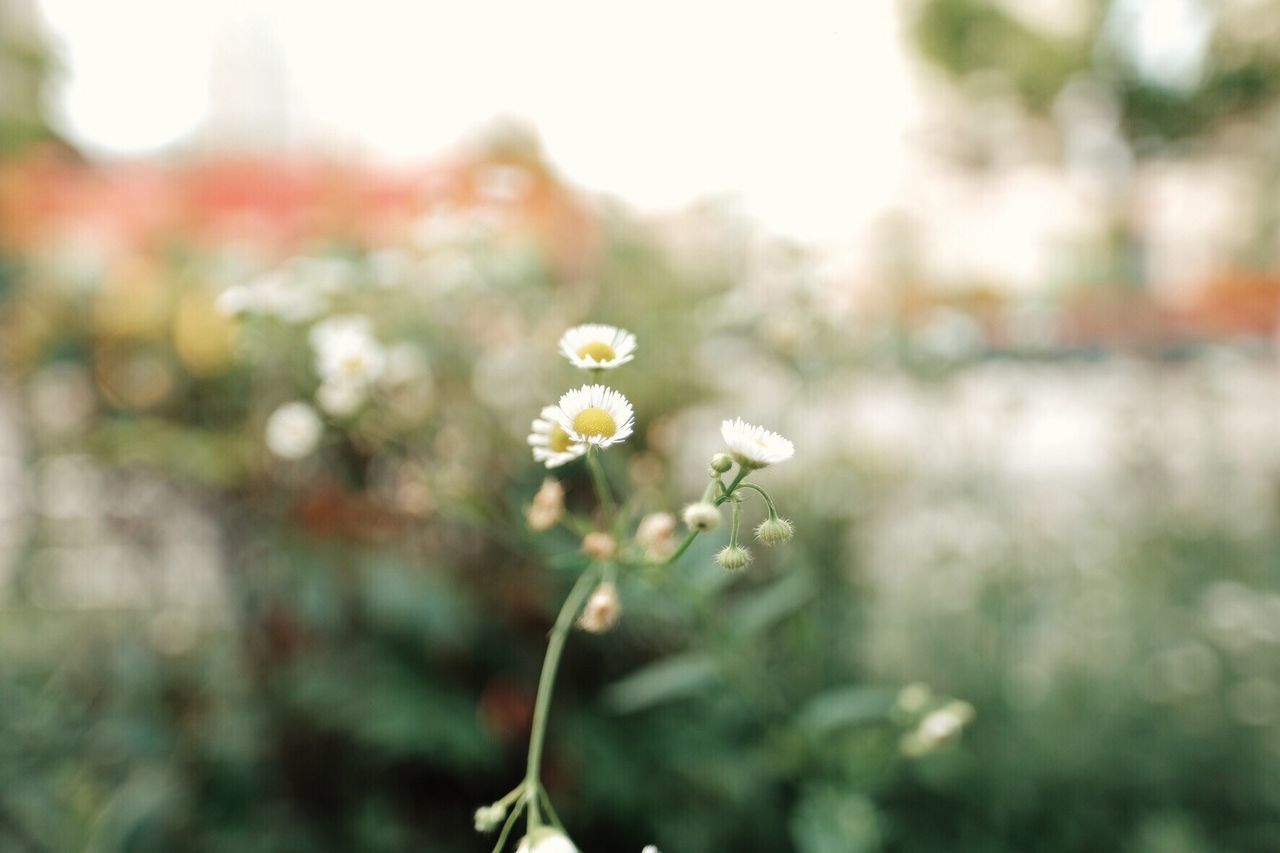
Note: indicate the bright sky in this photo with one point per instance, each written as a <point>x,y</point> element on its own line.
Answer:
<point>797,108</point>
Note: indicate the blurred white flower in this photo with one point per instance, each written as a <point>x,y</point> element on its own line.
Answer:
<point>346,350</point>
<point>341,398</point>
<point>546,841</point>
<point>280,293</point>
<point>596,415</point>
<point>551,444</point>
<point>599,545</point>
<point>598,347</point>
<point>753,446</point>
<point>937,728</point>
<point>656,535</point>
<point>293,430</point>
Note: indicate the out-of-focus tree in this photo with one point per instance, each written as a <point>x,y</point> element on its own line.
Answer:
<point>1109,86</point>
<point>25,64</point>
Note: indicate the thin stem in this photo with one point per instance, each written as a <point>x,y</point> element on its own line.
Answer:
<point>684,546</point>
<point>546,684</point>
<point>506,827</point>
<point>728,492</point>
<point>551,810</point>
<point>768,500</point>
<point>693,534</point>
<point>600,480</point>
<point>737,523</point>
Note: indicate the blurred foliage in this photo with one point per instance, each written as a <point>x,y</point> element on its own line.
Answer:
<point>1240,76</point>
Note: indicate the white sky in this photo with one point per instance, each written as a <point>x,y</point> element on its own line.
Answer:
<point>798,108</point>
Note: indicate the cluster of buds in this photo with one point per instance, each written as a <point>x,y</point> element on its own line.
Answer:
<point>751,448</point>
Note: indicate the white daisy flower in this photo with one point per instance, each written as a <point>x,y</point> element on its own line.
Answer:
<point>346,350</point>
<point>753,446</point>
<point>293,430</point>
<point>598,347</point>
<point>595,415</point>
<point>551,444</point>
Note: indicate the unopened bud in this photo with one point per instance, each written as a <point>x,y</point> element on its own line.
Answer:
<point>602,610</point>
<point>547,507</point>
<point>702,516</point>
<point>656,535</point>
<point>599,546</point>
<point>733,558</point>
<point>774,530</point>
<point>489,817</point>
<point>721,462</point>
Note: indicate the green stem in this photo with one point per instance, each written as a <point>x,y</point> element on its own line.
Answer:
<point>684,546</point>
<point>728,493</point>
<point>546,684</point>
<point>506,827</point>
<point>601,482</point>
<point>737,523</point>
<point>768,500</point>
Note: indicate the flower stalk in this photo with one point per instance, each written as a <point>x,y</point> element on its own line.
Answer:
<point>546,685</point>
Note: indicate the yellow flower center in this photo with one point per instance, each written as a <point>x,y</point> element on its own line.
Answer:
<point>598,350</point>
<point>559,441</point>
<point>594,422</point>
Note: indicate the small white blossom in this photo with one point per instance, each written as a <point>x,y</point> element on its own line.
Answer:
<point>293,430</point>
<point>753,446</point>
<point>551,445</point>
<point>596,415</point>
<point>546,840</point>
<point>595,346</point>
<point>346,350</point>
<point>280,293</point>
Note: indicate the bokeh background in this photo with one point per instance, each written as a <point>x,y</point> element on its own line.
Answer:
<point>1006,272</point>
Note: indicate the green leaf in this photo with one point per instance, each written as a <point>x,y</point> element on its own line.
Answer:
<point>663,681</point>
<point>846,706</point>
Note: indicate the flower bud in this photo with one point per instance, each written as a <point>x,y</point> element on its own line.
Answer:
<point>775,530</point>
<point>733,558</point>
<point>599,546</point>
<point>546,840</point>
<point>656,535</point>
<point>721,462</point>
<point>702,516</point>
<point>602,610</point>
<point>547,507</point>
<point>489,817</point>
